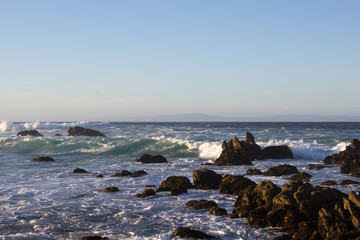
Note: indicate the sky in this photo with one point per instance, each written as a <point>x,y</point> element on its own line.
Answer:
<point>114,60</point>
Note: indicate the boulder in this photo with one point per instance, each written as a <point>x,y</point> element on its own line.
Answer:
<point>80,131</point>
<point>217,211</point>
<point>146,193</point>
<point>139,173</point>
<point>201,204</point>
<point>283,169</point>
<point>329,183</point>
<point>33,133</point>
<point>277,152</point>
<point>315,167</point>
<point>235,184</point>
<point>175,182</point>
<point>44,159</point>
<point>99,176</point>
<point>254,171</point>
<point>79,170</point>
<point>185,232</point>
<point>112,189</point>
<point>58,135</point>
<point>147,158</point>
<point>303,176</point>
<point>123,173</point>
<point>177,191</point>
<point>206,179</point>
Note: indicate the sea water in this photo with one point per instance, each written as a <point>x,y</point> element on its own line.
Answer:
<point>45,200</point>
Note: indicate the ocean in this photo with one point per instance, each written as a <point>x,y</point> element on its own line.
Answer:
<point>45,200</point>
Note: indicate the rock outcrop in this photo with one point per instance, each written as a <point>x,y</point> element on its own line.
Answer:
<point>206,179</point>
<point>147,158</point>
<point>80,131</point>
<point>185,232</point>
<point>349,159</point>
<point>33,133</point>
<point>44,159</point>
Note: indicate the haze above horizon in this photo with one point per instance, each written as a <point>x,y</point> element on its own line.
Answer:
<point>115,60</point>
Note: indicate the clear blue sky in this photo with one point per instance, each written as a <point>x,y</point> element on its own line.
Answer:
<point>109,60</point>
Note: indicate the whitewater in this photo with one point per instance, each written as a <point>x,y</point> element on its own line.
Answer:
<point>45,200</point>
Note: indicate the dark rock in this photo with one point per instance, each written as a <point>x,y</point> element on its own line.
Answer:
<point>206,179</point>
<point>255,171</point>
<point>207,164</point>
<point>354,198</point>
<point>150,185</point>
<point>99,176</point>
<point>185,232</point>
<point>147,158</point>
<point>233,215</point>
<point>284,237</point>
<point>33,133</point>
<point>139,173</point>
<point>112,189</point>
<point>237,152</point>
<point>94,238</point>
<point>80,131</point>
<point>277,152</point>
<point>217,211</point>
<point>352,152</point>
<point>177,191</point>
<point>235,184</point>
<point>348,182</point>
<point>146,193</point>
<point>303,176</point>
<point>58,135</point>
<point>175,182</point>
<point>355,144</point>
<point>315,167</point>
<point>201,204</point>
<point>280,170</point>
<point>329,183</point>
<point>44,159</point>
<point>123,173</point>
<point>79,170</point>
<point>352,167</point>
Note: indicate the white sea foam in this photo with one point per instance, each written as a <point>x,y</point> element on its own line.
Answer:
<point>5,126</point>
<point>340,146</point>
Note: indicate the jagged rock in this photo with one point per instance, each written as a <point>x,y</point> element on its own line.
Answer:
<point>44,159</point>
<point>348,182</point>
<point>147,158</point>
<point>235,184</point>
<point>175,182</point>
<point>354,198</point>
<point>206,179</point>
<point>329,183</point>
<point>277,152</point>
<point>123,173</point>
<point>33,133</point>
<point>254,171</point>
<point>352,167</point>
<point>139,173</point>
<point>237,152</point>
<point>315,167</point>
<point>217,211</point>
<point>94,238</point>
<point>80,131</point>
<point>280,170</point>
<point>201,204</point>
<point>146,193</point>
<point>79,170</point>
<point>185,232</point>
<point>112,189</point>
<point>303,176</point>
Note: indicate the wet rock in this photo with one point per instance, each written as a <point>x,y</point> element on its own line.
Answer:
<point>58,135</point>
<point>146,193</point>
<point>80,131</point>
<point>175,182</point>
<point>254,171</point>
<point>33,133</point>
<point>237,152</point>
<point>139,173</point>
<point>280,170</point>
<point>94,238</point>
<point>79,170</point>
<point>206,179</point>
<point>150,185</point>
<point>201,204</point>
<point>207,164</point>
<point>235,184</point>
<point>329,183</point>
<point>303,176</point>
<point>348,182</point>
<point>99,176</point>
<point>355,144</point>
<point>185,232</point>
<point>277,152</point>
<point>44,159</point>
<point>354,198</point>
<point>315,167</point>
<point>352,167</point>
<point>177,191</point>
<point>147,158</point>
<point>217,211</point>
<point>112,189</point>
<point>123,173</point>
<point>284,237</point>
<point>233,215</point>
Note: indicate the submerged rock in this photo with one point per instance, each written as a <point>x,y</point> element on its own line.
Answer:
<point>44,159</point>
<point>329,183</point>
<point>123,173</point>
<point>283,169</point>
<point>112,189</point>
<point>79,170</point>
<point>147,158</point>
<point>33,133</point>
<point>201,204</point>
<point>94,238</point>
<point>146,193</point>
<point>348,182</point>
<point>206,179</point>
<point>277,152</point>
<point>254,171</point>
<point>185,232</point>
<point>139,173</point>
<point>99,176</point>
<point>315,167</point>
<point>217,211</point>
<point>303,176</point>
<point>80,131</point>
